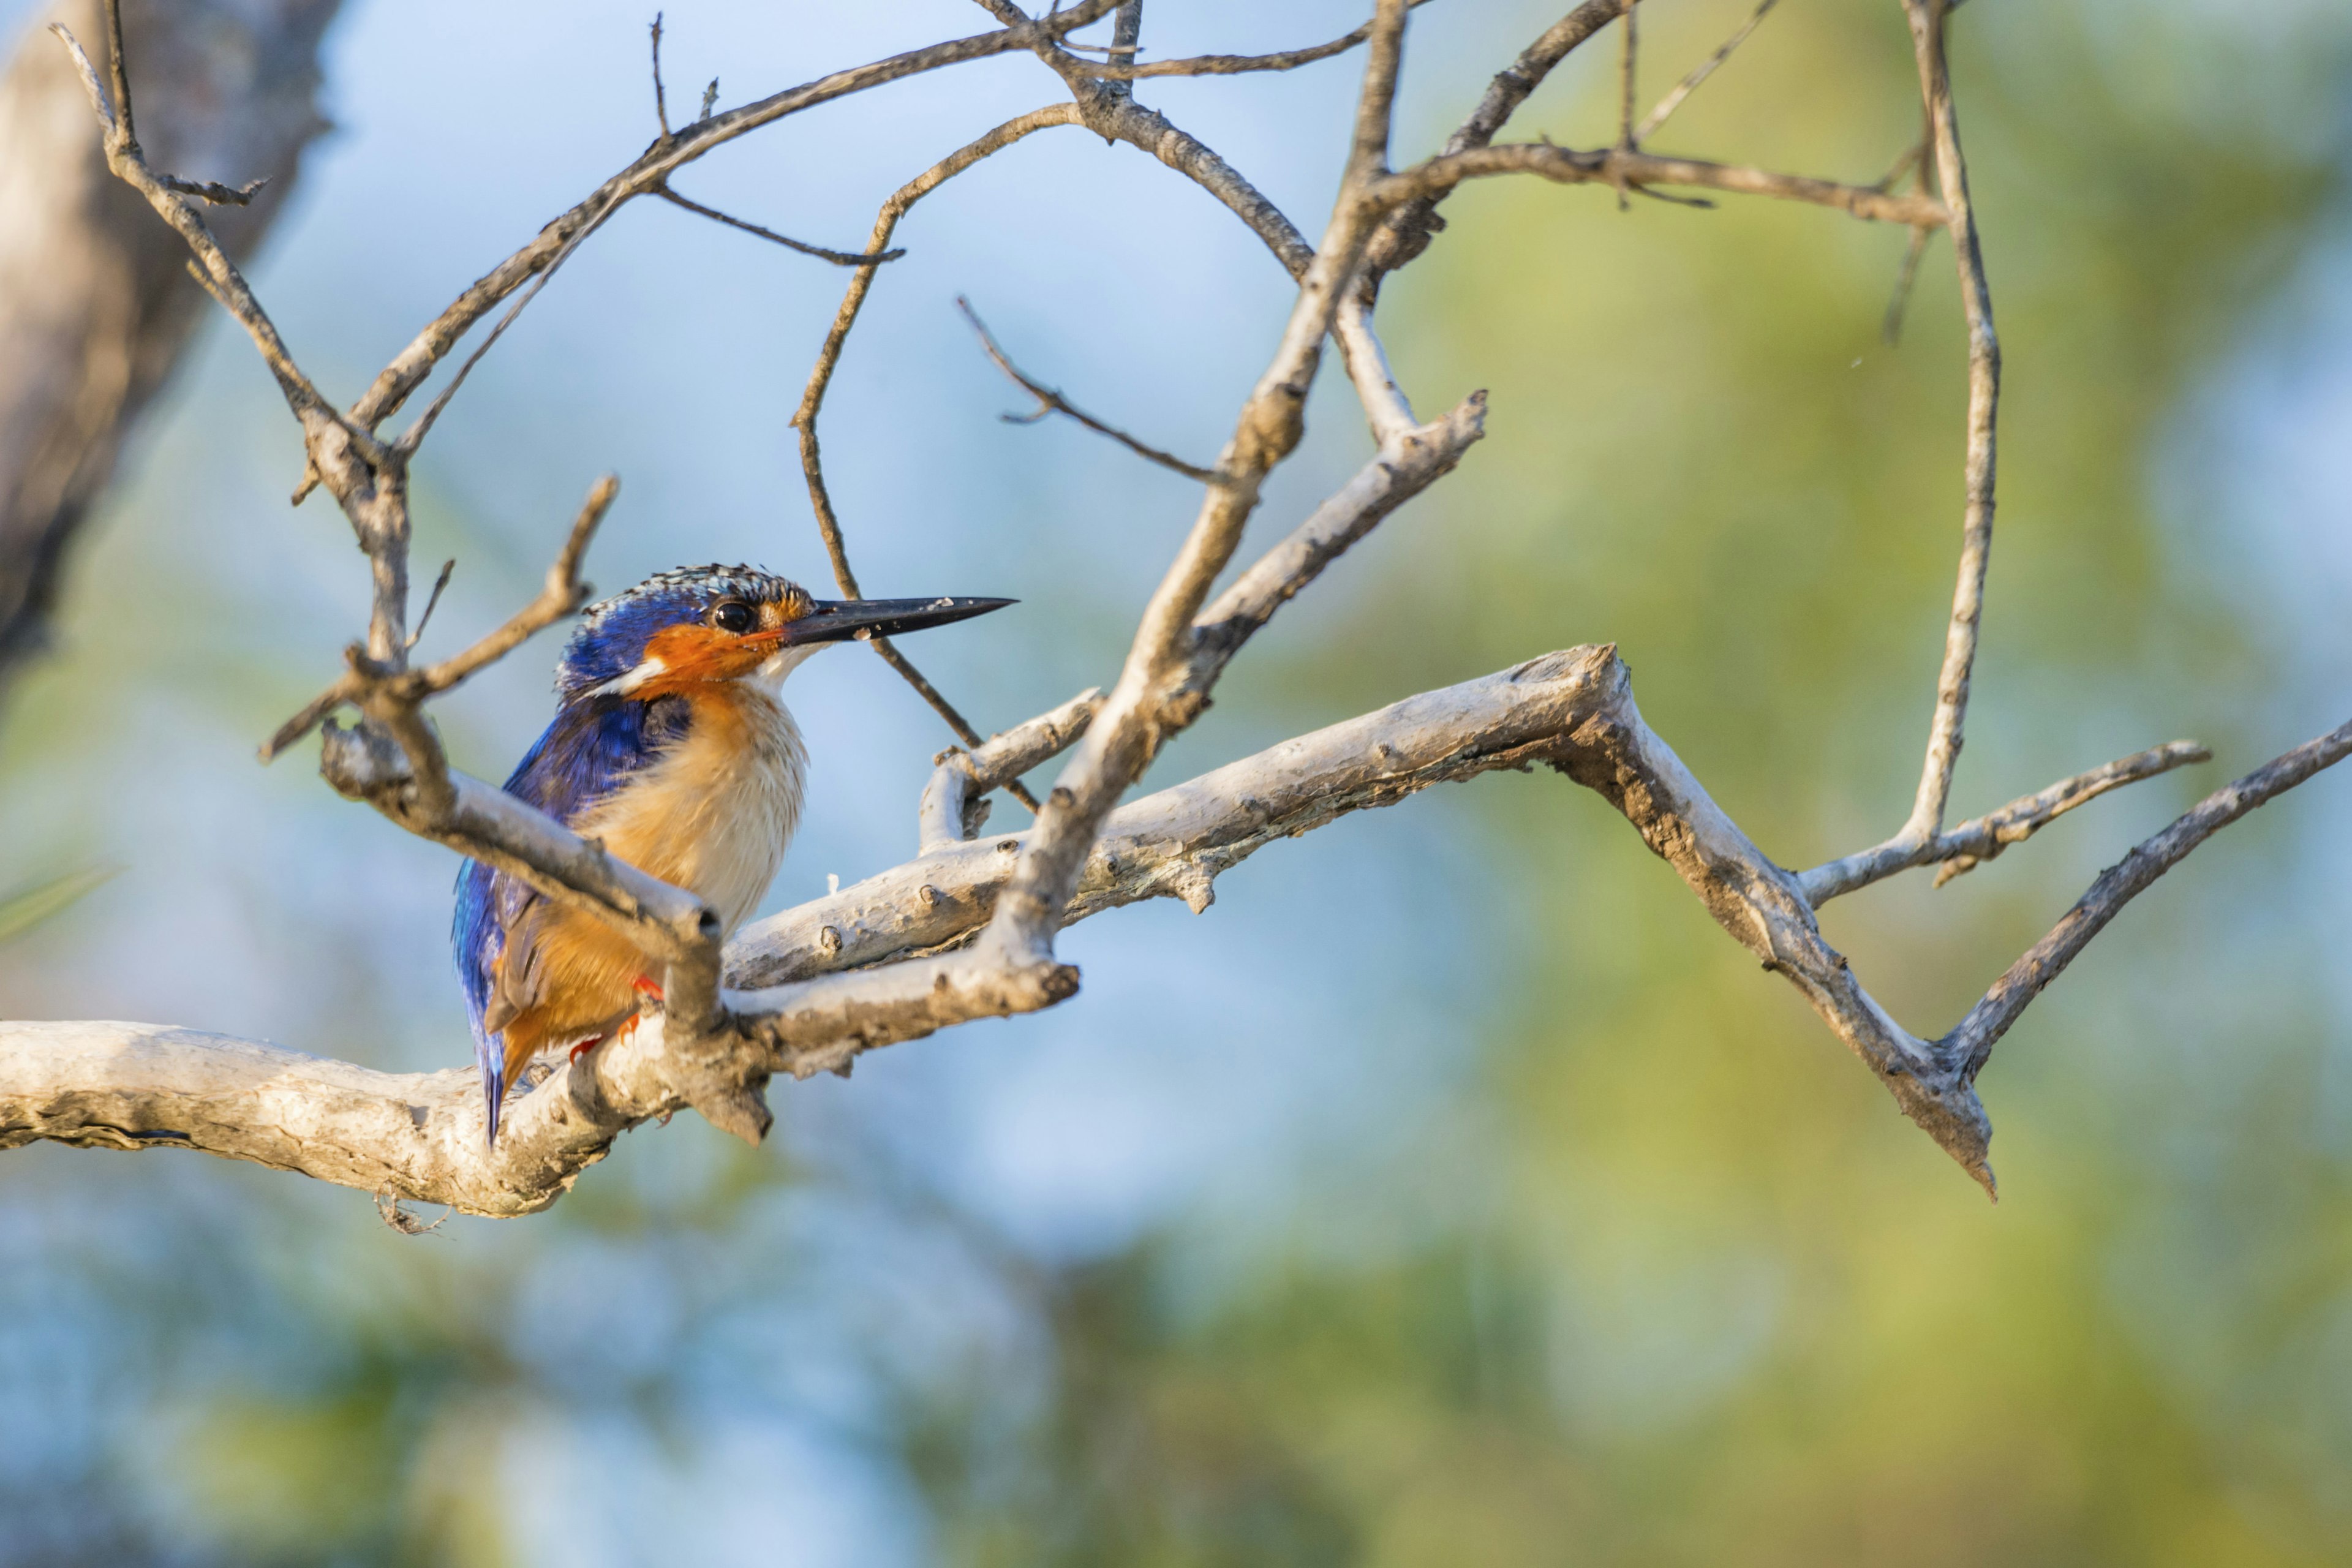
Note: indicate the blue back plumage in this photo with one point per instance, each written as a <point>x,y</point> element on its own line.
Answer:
<point>595,746</point>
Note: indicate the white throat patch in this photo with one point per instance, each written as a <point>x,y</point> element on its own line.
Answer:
<point>769,675</point>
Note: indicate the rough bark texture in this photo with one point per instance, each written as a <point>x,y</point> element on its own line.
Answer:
<point>96,302</point>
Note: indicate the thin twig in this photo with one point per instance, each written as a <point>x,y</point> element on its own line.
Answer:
<point>1891,330</point>
<point>1973,1041</point>
<point>661,102</point>
<point>213,191</point>
<point>1569,165</point>
<point>1137,721</point>
<point>1945,731</point>
<point>1049,401</point>
<point>1219,65</point>
<point>364,683</point>
<point>1706,68</point>
<point>709,96</point>
<point>1407,232</point>
<point>1971,844</point>
<point>411,367</point>
<point>221,276</point>
<point>804,419</point>
<point>433,600</point>
<point>838,257</point>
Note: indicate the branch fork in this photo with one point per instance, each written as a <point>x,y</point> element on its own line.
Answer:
<point>967,928</point>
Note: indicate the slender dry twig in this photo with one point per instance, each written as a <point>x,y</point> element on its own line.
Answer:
<point>1973,843</point>
<point>1625,86</point>
<point>828,524</point>
<point>1941,156</point>
<point>1049,401</point>
<point>1890,330</point>
<point>838,257</point>
<point>367,683</point>
<point>1699,73</point>
<point>661,102</point>
<point>1408,230</point>
<point>1982,838</point>
<point>409,369</point>
<point>1567,165</point>
<point>432,602</point>
<point>1991,1018</point>
<point>1219,65</point>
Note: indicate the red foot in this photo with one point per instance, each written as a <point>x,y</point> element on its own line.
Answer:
<point>585,1047</point>
<point>644,987</point>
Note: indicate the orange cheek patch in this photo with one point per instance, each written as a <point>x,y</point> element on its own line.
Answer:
<point>692,655</point>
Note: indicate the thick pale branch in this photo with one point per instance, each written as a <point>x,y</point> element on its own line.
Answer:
<point>420,1136</point>
<point>953,804</point>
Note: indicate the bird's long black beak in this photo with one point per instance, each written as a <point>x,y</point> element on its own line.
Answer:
<point>832,620</point>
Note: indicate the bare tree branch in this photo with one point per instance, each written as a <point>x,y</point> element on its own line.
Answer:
<point>838,257</point>
<point>1408,230</point>
<point>967,929</point>
<point>1973,1040</point>
<point>1940,151</point>
<point>1972,843</point>
<point>1569,166</point>
<point>563,595</point>
<point>1136,719</point>
<point>828,524</point>
<point>953,805</point>
<point>1049,401</point>
<point>1225,65</point>
<point>1699,73</point>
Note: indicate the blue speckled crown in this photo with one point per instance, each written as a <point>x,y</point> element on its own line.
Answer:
<point>612,635</point>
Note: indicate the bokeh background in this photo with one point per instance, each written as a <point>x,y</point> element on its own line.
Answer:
<point>1451,1191</point>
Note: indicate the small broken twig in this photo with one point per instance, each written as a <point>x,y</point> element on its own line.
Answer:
<point>1052,401</point>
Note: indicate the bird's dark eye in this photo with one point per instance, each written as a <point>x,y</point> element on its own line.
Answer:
<point>734,615</point>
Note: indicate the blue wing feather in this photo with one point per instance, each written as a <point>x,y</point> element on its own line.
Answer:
<point>592,748</point>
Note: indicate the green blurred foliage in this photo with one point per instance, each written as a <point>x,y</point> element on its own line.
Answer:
<point>1701,1298</point>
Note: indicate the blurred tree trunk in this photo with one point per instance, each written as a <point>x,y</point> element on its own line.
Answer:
<point>96,302</point>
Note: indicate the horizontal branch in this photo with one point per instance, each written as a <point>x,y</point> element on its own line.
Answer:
<point>877,961</point>
<point>1616,166</point>
<point>1226,65</point>
<point>1407,231</point>
<point>419,1136</point>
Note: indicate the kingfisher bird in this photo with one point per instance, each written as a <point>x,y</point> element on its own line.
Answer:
<point>670,744</point>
